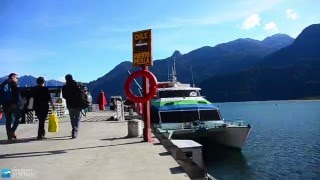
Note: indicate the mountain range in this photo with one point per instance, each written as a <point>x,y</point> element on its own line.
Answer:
<point>205,62</point>
<point>276,68</point>
<point>28,80</point>
<point>292,72</point>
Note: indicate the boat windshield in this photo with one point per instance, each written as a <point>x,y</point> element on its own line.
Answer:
<point>178,93</point>
<point>189,116</point>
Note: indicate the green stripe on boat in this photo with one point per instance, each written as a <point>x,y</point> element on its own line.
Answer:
<point>158,103</point>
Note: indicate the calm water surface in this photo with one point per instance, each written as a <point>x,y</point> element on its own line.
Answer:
<point>284,142</point>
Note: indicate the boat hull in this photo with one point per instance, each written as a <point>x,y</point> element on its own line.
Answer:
<point>234,137</point>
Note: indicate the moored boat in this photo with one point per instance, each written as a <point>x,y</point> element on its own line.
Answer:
<point>180,112</point>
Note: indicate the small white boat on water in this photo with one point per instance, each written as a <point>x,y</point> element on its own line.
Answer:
<point>180,112</point>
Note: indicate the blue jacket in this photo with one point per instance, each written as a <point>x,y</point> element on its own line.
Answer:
<point>14,100</point>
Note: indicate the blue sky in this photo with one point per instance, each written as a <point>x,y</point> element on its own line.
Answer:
<point>88,38</point>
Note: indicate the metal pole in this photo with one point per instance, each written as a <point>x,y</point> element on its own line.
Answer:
<point>146,111</point>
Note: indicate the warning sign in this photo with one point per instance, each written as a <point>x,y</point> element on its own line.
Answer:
<point>142,51</point>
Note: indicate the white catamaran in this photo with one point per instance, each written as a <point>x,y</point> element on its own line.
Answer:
<point>180,112</point>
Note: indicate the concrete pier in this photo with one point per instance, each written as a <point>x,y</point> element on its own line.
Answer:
<point>101,151</point>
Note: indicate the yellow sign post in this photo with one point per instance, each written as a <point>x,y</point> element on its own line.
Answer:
<point>142,56</point>
<point>142,49</point>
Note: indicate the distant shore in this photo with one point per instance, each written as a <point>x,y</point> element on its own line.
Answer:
<point>302,99</point>
<point>310,98</point>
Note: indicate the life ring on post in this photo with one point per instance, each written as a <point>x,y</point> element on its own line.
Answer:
<point>152,82</point>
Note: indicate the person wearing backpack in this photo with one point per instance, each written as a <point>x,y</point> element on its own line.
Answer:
<point>72,93</point>
<point>9,99</point>
<point>42,99</point>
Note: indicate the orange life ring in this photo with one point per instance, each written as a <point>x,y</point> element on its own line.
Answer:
<point>153,86</point>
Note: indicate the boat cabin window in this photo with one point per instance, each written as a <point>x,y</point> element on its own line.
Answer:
<point>209,115</point>
<point>179,116</point>
<point>189,116</point>
<point>179,93</point>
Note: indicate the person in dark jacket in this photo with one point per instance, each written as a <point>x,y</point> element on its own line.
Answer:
<point>41,102</point>
<point>11,105</point>
<point>71,92</point>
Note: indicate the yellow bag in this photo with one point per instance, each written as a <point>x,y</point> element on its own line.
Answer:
<point>53,122</point>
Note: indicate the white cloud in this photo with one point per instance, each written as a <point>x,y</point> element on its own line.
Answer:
<point>251,22</point>
<point>244,9</point>
<point>271,26</point>
<point>291,14</point>
<point>61,79</point>
<point>238,12</point>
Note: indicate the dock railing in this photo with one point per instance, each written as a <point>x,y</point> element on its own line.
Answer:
<point>119,108</point>
<point>61,111</point>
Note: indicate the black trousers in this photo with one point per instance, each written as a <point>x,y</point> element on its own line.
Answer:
<point>24,111</point>
<point>10,111</point>
<point>42,116</point>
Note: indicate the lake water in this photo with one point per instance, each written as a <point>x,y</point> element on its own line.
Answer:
<point>284,142</point>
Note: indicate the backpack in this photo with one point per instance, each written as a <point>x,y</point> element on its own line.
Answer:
<point>6,94</point>
<point>84,101</point>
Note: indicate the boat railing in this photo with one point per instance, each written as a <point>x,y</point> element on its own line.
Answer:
<point>237,123</point>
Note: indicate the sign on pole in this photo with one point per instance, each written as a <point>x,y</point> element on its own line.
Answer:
<point>142,50</point>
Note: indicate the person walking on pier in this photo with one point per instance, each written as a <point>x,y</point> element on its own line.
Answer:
<point>9,99</point>
<point>41,97</point>
<point>72,93</point>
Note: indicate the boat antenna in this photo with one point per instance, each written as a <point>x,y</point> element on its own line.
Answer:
<point>174,73</point>
<point>139,87</point>
<point>168,70</point>
<point>192,77</point>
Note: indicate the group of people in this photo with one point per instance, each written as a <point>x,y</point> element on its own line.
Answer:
<point>11,104</point>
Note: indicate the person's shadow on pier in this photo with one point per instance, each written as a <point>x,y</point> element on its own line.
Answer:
<point>60,138</point>
<point>61,151</point>
<point>31,154</point>
<point>27,140</point>
<point>17,141</point>
<point>115,138</point>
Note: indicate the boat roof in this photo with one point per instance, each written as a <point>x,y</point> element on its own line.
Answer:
<point>183,104</point>
<point>50,88</point>
<point>120,97</point>
<point>178,88</point>
<point>187,107</point>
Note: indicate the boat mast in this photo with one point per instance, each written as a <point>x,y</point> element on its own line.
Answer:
<point>192,77</point>
<point>174,73</point>
<point>168,69</point>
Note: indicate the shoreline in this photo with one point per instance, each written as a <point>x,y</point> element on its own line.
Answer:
<point>290,100</point>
